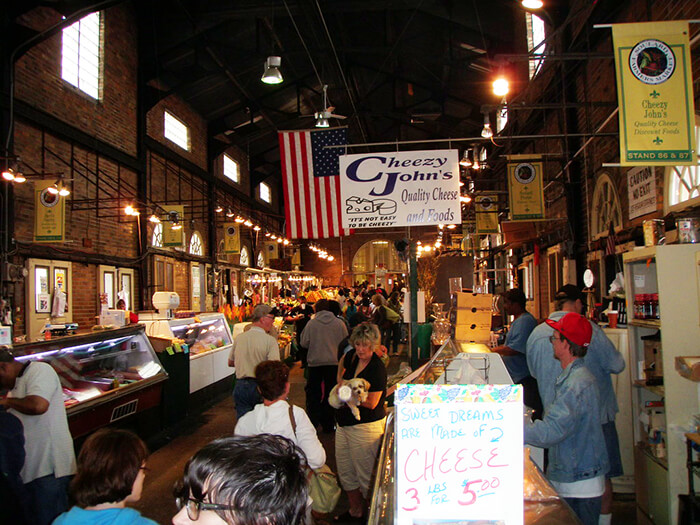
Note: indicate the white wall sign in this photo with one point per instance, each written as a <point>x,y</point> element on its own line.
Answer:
<point>413,188</point>
<point>641,190</point>
<point>459,454</point>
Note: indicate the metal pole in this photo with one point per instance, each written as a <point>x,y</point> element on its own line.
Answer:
<point>413,287</point>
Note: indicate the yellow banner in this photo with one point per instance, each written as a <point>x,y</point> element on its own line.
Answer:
<point>174,217</point>
<point>296,257</point>
<point>232,238</point>
<point>486,206</point>
<point>50,214</point>
<point>525,190</point>
<point>271,251</point>
<point>655,93</point>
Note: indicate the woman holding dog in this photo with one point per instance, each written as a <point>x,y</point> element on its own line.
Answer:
<point>357,442</point>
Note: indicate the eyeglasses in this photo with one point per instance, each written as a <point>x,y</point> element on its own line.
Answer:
<point>553,338</point>
<point>195,506</point>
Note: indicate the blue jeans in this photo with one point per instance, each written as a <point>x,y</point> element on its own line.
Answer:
<point>245,396</point>
<point>587,509</point>
<point>48,497</point>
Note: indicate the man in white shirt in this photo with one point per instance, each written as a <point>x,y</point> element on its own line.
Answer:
<point>251,348</point>
<point>35,396</point>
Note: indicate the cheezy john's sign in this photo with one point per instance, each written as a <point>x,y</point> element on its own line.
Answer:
<point>414,188</point>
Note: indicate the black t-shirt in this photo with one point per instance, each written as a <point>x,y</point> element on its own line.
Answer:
<point>375,373</point>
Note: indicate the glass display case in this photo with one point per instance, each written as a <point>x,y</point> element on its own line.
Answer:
<point>208,341</point>
<point>462,363</point>
<point>106,375</point>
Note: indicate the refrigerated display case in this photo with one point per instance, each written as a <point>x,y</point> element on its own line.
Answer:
<point>106,375</point>
<point>462,363</point>
<point>208,340</point>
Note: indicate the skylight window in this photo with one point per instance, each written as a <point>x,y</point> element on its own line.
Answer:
<point>80,54</point>
<point>265,194</point>
<point>535,37</point>
<point>177,132</point>
<point>231,170</point>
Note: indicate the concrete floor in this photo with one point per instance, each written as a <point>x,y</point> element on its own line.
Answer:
<point>166,464</point>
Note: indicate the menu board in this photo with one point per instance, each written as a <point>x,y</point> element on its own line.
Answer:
<point>459,454</point>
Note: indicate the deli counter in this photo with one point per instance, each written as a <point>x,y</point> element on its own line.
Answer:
<point>106,375</point>
<point>208,340</point>
<point>455,365</point>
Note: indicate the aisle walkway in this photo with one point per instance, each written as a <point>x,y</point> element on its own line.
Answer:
<point>166,464</point>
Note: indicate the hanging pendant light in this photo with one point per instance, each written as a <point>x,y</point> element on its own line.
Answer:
<point>272,73</point>
<point>465,162</point>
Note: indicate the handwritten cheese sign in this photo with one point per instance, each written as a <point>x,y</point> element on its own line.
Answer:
<point>459,454</point>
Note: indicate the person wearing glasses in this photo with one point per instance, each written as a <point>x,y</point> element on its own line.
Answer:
<point>111,471</point>
<point>251,348</point>
<point>602,360</point>
<point>244,480</point>
<point>571,428</point>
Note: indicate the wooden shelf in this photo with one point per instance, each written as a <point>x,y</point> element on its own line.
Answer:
<point>656,389</point>
<point>647,452</point>
<point>645,323</point>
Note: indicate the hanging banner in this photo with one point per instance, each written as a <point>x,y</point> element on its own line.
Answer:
<point>413,188</point>
<point>296,257</point>
<point>525,189</point>
<point>174,216</point>
<point>459,454</point>
<point>50,214</point>
<point>271,251</point>
<point>232,238</point>
<point>641,191</point>
<point>655,93</point>
<point>486,206</point>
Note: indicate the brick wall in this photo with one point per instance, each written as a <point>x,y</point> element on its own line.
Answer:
<point>155,126</point>
<point>38,80</point>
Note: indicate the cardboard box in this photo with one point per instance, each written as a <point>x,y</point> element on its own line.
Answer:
<point>481,301</point>
<point>653,360</point>
<point>477,333</point>
<point>472,315</point>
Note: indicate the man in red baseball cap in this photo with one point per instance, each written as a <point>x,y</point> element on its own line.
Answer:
<point>571,428</point>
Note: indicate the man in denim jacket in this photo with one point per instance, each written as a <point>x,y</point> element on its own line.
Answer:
<point>602,359</point>
<point>571,428</point>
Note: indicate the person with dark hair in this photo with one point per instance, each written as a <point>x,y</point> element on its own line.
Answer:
<point>244,480</point>
<point>249,349</point>
<point>300,315</point>
<point>35,397</point>
<point>515,347</point>
<point>571,427</point>
<point>321,336</point>
<point>357,442</point>
<point>111,471</point>
<point>394,303</point>
<point>274,414</point>
<point>602,360</point>
<point>13,496</point>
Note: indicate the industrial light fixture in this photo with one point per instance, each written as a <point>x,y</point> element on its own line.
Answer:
<point>501,87</point>
<point>256,228</point>
<point>267,234</point>
<point>20,178</point>
<point>239,219</point>
<point>272,73</point>
<point>64,192</point>
<point>279,239</point>
<point>229,213</point>
<point>487,132</point>
<point>8,174</point>
<point>475,155</point>
<point>465,162</point>
<point>451,226</point>
<point>154,219</point>
<point>248,223</point>
<point>532,4</point>
<point>53,189</point>
<point>218,209</point>
<point>321,120</point>
<point>176,226</point>
<point>285,242</point>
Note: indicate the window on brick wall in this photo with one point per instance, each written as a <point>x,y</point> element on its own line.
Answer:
<point>81,52</point>
<point>231,169</point>
<point>261,259</point>
<point>244,259</point>
<point>157,236</point>
<point>175,131</point>
<point>265,194</point>
<point>682,183</point>
<point>196,244</point>
<point>605,208</point>
<point>535,37</point>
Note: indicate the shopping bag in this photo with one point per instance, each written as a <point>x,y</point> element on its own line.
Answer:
<point>324,489</point>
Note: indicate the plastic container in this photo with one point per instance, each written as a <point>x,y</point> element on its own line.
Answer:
<point>654,231</point>
<point>687,230</point>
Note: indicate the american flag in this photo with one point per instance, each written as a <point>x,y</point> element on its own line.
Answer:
<point>310,174</point>
<point>611,241</point>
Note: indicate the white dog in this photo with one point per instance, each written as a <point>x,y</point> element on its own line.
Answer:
<point>353,393</point>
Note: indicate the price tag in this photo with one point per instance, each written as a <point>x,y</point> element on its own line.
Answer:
<point>459,454</point>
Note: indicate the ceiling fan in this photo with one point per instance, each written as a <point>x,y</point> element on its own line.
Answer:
<point>327,112</point>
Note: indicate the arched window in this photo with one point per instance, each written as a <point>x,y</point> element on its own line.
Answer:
<point>682,183</point>
<point>157,237</point>
<point>377,254</point>
<point>244,259</point>
<point>261,259</point>
<point>605,207</point>
<point>196,245</point>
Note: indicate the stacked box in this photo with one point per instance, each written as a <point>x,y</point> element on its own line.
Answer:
<point>473,319</point>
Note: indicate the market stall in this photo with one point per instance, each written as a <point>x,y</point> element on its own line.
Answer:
<point>106,375</point>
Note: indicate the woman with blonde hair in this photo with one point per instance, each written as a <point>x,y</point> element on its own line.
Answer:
<point>357,442</point>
